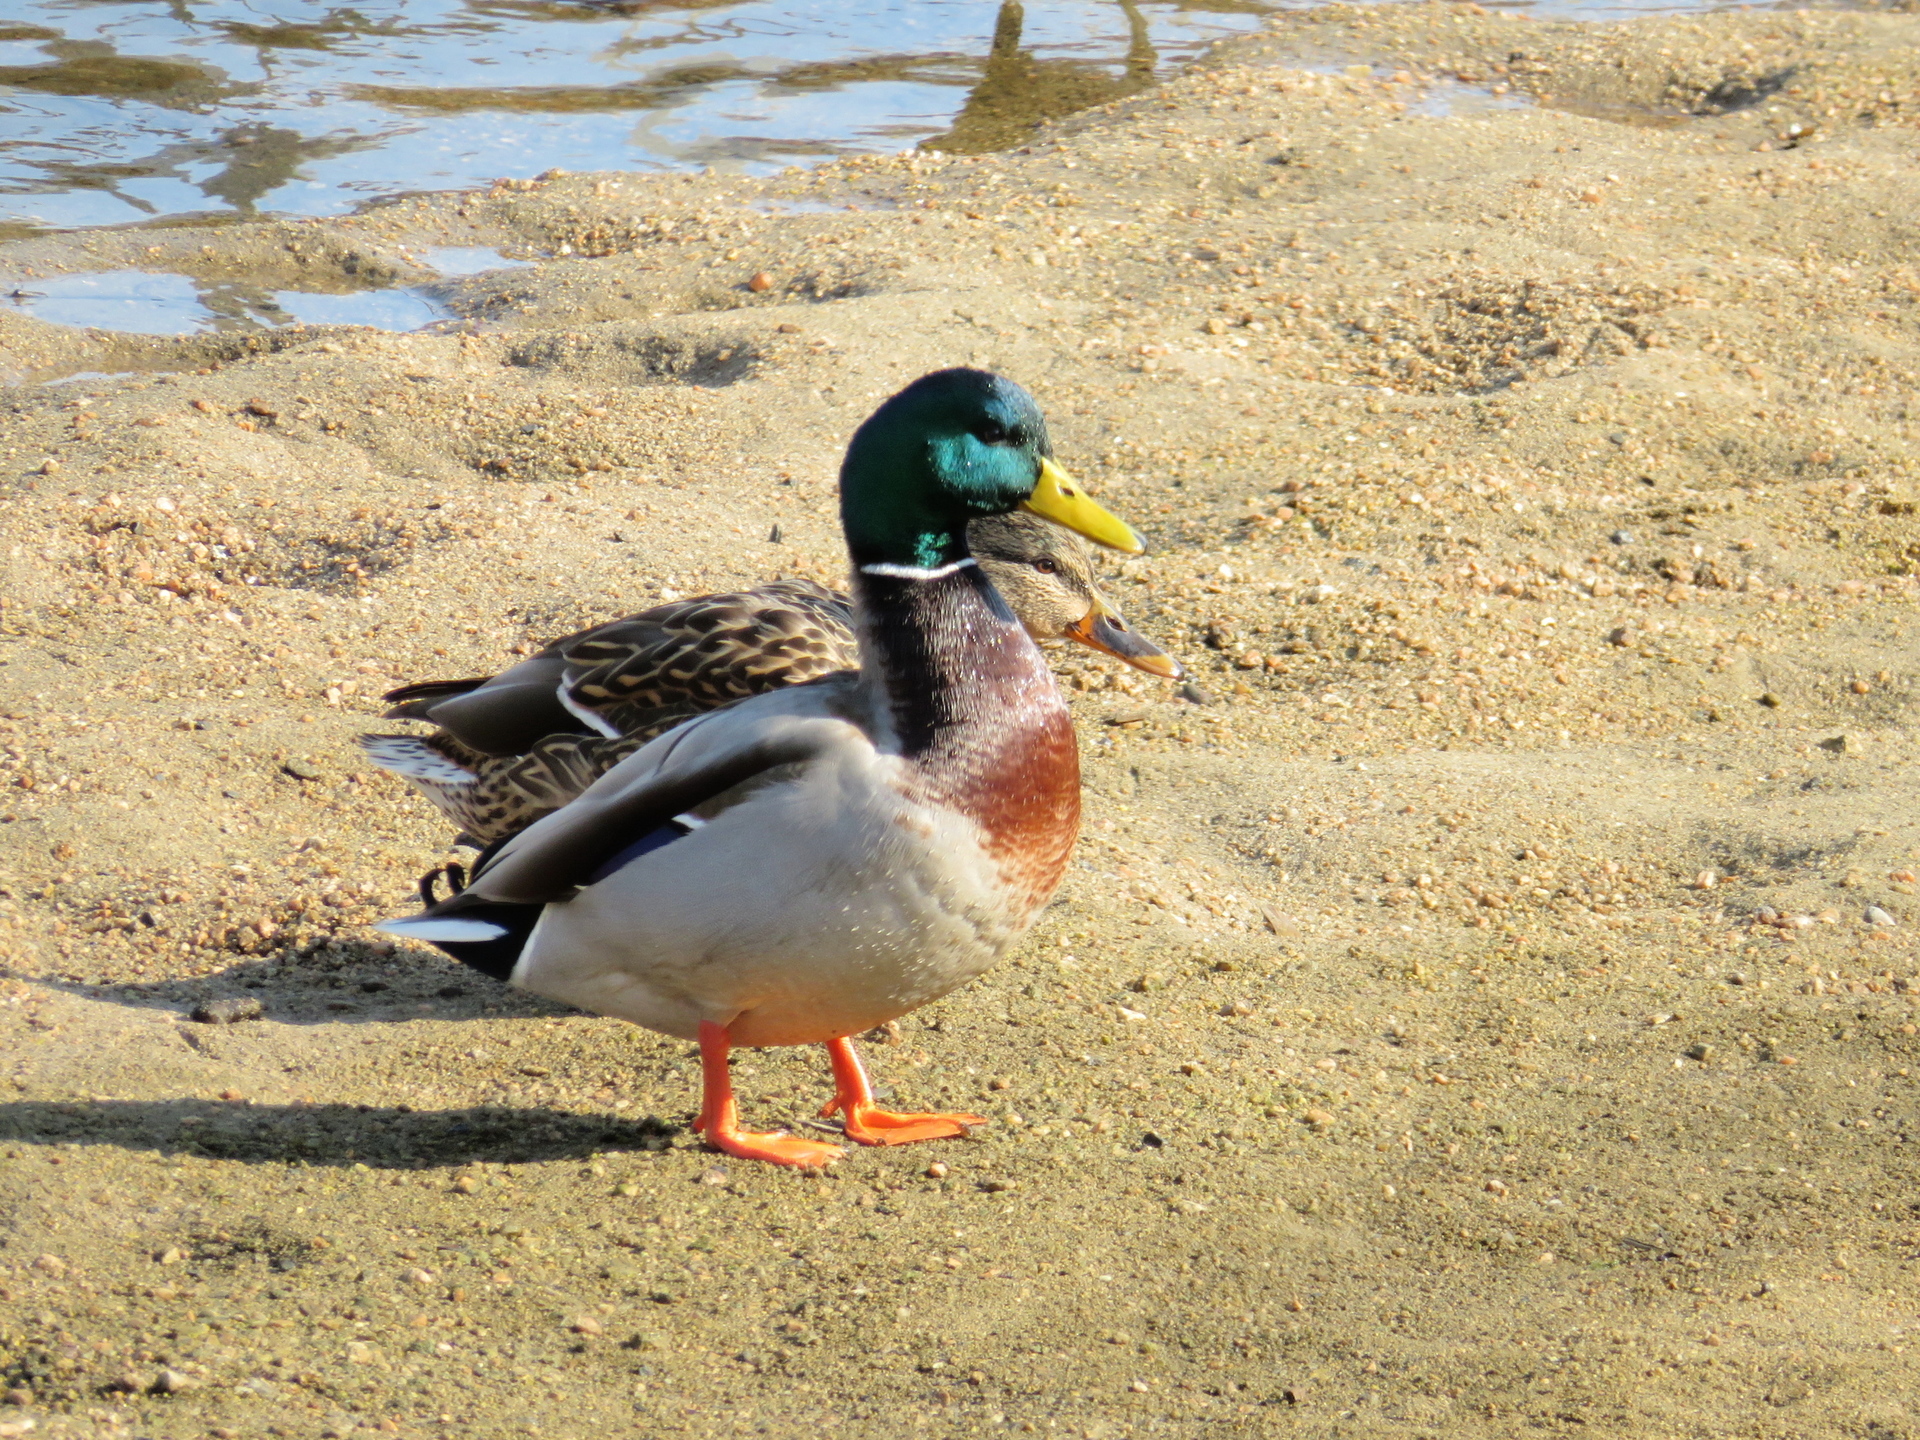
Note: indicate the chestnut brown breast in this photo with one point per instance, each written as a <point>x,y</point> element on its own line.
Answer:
<point>977,711</point>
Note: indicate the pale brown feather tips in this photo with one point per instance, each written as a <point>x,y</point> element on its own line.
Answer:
<point>510,792</point>
<point>683,659</point>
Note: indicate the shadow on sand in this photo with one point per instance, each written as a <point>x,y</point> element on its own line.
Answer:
<point>352,984</point>
<point>390,1138</point>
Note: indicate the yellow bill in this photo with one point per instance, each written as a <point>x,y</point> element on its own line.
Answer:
<point>1059,498</point>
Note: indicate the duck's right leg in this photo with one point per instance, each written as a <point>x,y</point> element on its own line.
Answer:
<point>720,1117</point>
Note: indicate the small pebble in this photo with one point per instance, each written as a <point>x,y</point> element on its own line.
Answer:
<point>587,1325</point>
<point>760,283</point>
<point>465,1184</point>
<point>1319,1119</point>
<point>230,1011</point>
<point>1877,916</point>
<point>172,1382</point>
<point>937,1170</point>
<point>1285,926</point>
<point>1621,537</point>
<point>50,1265</point>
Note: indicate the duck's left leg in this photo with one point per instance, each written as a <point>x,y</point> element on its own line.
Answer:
<point>720,1117</point>
<point>870,1125</point>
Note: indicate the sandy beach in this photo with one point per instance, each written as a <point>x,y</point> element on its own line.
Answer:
<point>1482,1004</point>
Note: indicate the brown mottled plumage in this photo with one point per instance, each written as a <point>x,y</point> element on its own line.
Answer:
<point>517,746</point>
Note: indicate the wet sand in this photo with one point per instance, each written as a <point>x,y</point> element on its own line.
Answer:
<point>1491,1012</point>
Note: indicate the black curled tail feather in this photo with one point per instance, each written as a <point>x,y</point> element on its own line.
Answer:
<point>456,876</point>
<point>494,954</point>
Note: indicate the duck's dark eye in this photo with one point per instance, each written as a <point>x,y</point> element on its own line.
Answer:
<point>991,432</point>
<point>1047,566</point>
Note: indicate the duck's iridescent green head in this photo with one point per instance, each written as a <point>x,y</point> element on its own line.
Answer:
<point>952,446</point>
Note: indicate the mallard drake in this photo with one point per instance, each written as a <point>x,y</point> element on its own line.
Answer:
<point>814,861</point>
<point>516,746</point>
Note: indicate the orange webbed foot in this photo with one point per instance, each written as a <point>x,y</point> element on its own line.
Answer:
<point>868,1124</point>
<point>776,1147</point>
<point>719,1118</point>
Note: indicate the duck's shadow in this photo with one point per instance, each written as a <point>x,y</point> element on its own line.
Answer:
<point>394,1138</point>
<point>351,984</point>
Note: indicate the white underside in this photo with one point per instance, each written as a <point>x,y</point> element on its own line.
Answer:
<point>818,907</point>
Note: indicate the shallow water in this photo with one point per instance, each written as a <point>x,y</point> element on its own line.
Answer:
<point>154,110</point>
<point>116,112</point>
<point>159,302</point>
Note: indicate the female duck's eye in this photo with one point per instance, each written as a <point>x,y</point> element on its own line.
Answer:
<point>1046,566</point>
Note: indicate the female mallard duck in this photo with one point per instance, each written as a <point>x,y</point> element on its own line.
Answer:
<point>822,858</point>
<point>521,744</point>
